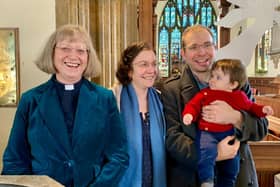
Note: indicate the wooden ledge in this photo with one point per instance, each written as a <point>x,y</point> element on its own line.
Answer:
<point>29,180</point>
<point>266,154</point>
<point>274,125</point>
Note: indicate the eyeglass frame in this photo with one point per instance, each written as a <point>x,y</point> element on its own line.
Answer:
<point>67,50</point>
<point>196,47</point>
<point>145,64</point>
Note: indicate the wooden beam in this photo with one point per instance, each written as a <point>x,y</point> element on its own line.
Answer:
<point>145,23</point>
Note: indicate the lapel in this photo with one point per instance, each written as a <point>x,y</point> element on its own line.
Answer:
<point>86,107</point>
<point>53,118</point>
<point>188,85</point>
<point>188,88</point>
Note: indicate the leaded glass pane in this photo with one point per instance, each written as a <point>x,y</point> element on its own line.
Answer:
<point>167,16</point>
<point>209,16</point>
<point>179,6</point>
<point>178,15</point>
<point>196,6</point>
<point>175,44</point>
<point>203,16</point>
<point>173,17</point>
<point>163,53</point>
<point>185,19</point>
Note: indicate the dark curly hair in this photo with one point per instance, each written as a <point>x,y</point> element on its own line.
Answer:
<point>127,57</point>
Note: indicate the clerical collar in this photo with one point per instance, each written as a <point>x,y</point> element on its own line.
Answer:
<point>69,87</point>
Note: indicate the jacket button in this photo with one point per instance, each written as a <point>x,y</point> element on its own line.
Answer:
<point>251,183</point>
<point>69,163</point>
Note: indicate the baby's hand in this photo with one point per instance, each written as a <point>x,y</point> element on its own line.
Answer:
<point>187,119</point>
<point>268,110</point>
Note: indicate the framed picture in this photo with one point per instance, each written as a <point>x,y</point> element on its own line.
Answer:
<point>9,67</point>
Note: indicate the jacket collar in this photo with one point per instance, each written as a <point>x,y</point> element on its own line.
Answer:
<point>188,84</point>
<point>52,114</point>
<point>188,88</point>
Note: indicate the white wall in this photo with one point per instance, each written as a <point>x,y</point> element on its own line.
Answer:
<point>35,20</point>
<point>272,70</point>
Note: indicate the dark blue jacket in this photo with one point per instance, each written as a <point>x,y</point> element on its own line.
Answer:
<point>39,143</point>
<point>182,154</point>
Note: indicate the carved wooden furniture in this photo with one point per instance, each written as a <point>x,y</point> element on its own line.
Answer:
<point>265,85</point>
<point>266,154</point>
<point>273,101</point>
<point>267,159</point>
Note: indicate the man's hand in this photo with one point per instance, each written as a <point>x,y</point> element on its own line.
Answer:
<point>226,150</point>
<point>221,112</point>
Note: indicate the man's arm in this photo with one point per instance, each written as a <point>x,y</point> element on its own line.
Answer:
<point>252,128</point>
<point>248,126</point>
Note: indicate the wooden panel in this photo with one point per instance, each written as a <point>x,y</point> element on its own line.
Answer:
<point>267,161</point>
<point>274,125</point>
<point>271,137</point>
<point>266,154</point>
<point>146,20</point>
<point>265,85</point>
<point>265,178</point>
<point>224,32</point>
<point>274,102</point>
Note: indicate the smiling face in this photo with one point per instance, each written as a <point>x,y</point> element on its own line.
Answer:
<point>221,81</point>
<point>70,60</point>
<point>144,69</point>
<point>198,51</point>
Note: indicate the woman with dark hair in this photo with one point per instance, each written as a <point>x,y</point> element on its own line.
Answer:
<point>141,110</point>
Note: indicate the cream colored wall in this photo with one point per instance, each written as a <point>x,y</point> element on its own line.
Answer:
<point>272,71</point>
<point>35,20</point>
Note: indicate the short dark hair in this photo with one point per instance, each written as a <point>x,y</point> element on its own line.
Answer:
<point>127,57</point>
<point>234,68</point>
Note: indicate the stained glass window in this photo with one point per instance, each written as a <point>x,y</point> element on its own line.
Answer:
<point>262,53</point>
<point>178,15</point>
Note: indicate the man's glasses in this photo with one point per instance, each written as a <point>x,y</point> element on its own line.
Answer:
<point>196,47</point>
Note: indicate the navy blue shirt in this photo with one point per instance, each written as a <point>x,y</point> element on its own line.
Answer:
<point>147,160</point>
<point>68,96</point>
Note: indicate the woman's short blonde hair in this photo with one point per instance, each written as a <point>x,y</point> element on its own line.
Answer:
<point>72,33</point>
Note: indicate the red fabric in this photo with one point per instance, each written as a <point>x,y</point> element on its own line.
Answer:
<point>236,99</point>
